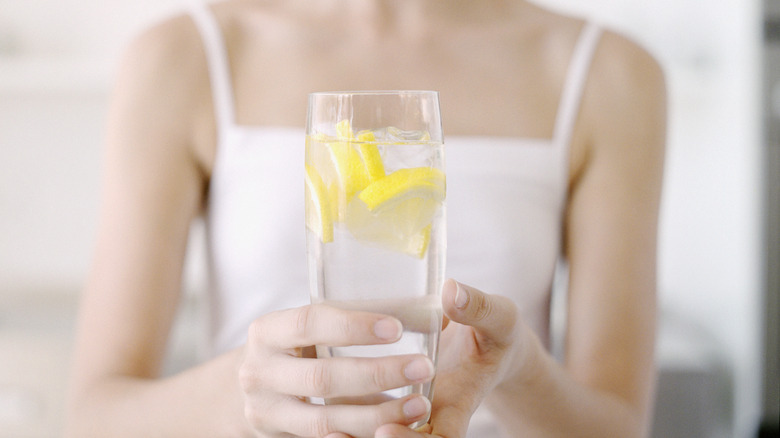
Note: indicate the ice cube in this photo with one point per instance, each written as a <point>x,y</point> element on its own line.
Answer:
<point>393,134</point>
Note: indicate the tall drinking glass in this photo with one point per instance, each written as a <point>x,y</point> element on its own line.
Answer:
<point>375,215</point>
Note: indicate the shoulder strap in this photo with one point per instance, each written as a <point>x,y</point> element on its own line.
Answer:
<point>216,56</point>
<point>569,106</point>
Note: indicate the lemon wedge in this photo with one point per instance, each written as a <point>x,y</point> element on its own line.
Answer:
<point>318,210</point>
<point>352,162</point>
<point>367,148</point>
<point>397,210</point>
<point>351,172</point>
<point>369,152</point>
<point>347,181</point>
<point>425,183</point>
<point>344,130</point>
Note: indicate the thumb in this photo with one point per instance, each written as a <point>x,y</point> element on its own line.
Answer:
<point>493,317</point>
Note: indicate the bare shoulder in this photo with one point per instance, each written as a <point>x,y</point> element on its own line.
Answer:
<point>168,53</point>
<point>625,100</point>
<point>163,86</point>
<point>623,114</point>
<point>618,61</point>
<point>623,63</point>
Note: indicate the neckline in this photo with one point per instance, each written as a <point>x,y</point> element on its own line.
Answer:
<point>477,138</point>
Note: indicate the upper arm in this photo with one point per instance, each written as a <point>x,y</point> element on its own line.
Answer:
<point>152,188</point>
<point>611,224</point>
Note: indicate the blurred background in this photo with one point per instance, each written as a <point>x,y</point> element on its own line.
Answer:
<point>719,263</point>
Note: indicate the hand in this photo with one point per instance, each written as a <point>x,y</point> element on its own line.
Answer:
<point>276,375</point>
<point>480,347</point>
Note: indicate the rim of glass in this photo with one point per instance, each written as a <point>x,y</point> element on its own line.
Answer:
<point>371,92</point>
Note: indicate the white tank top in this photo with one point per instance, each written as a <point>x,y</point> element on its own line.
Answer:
<point>505,203</point>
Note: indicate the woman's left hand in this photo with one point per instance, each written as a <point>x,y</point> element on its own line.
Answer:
<point>482,345</point>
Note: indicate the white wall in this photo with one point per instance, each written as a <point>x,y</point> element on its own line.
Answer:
<point>82,27</point>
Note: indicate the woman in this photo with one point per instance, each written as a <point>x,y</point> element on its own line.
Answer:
<point>555,133</point>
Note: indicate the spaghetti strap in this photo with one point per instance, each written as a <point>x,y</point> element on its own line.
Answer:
<point>218,65</point>
<point>579,66</point>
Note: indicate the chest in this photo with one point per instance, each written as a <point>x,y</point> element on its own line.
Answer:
<point>485,87</point>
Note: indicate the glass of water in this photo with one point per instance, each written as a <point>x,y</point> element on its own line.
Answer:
<point>375,216</point>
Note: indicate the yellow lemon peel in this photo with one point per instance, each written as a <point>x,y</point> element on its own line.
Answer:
<point>318,210</point>
<point>369,152</point>
<point>424,182</point>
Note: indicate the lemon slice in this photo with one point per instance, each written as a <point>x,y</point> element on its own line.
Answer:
<point>344,130</point>
<point>350,170</point>
<point>351,175</point>
<point>348,163</point>
<point>397,211</point>
<point>370,155</point>
<point>318,210</point>
<point>346,181</point>
<point>414,182</point>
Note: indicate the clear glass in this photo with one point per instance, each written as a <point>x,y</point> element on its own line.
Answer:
<point>375,216</point>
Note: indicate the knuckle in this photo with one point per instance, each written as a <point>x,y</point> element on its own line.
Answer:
<point>383,414</point>
<point>377,418</point>
<point>247,378</point>
<point>253,377</point>
<point>344,327</point>
<point>303,321</point>
<point>320,423</point>
<point>259,416</point>
<point>254,416</point>
<point>317,378</point>
<point>483,307</point>
<point>256,329</point>
<point>376,375</point>
<point>509,315</point>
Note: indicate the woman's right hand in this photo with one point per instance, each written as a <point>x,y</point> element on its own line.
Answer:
<point>276,377</point>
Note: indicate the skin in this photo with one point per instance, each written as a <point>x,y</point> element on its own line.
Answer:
<point>160,150</point>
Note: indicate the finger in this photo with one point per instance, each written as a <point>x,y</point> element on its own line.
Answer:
<point>303,419</point>
<point>445,422</point>
<point>323,325</point>
<point>445,321</point>
<point>338,376</point>
<point>492,316</point>
<point>398,431</point>
<point>416,314</point>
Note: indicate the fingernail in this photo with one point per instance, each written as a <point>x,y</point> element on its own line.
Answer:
<point>416,407</point>
<point>461,297</point>
<point>419,370</point>
<point>388,329</point>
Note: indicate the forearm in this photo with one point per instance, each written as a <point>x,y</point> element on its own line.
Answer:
<point>550,403</point>
<point>204,401</point>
